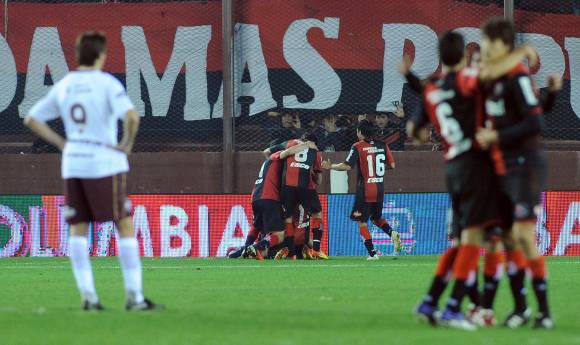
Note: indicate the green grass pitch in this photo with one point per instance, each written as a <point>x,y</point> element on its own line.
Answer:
<point>218,301</point>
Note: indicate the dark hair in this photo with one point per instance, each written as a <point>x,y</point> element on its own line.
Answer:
<point>451,48</point>
<point>500,28</point>
<point>310,136</point>
<point>90,45</point>
<point>366,128</point>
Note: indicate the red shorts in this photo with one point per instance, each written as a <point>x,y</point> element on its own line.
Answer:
<point>97,200</point>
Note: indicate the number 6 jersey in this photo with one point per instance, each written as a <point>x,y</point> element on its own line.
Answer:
<point>90,104</point>
<point>370,157</point>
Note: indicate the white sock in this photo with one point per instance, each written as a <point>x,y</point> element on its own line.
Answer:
<point>131,266</point>
<point>81,265</point>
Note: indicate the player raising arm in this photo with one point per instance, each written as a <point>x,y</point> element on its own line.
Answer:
<point>94,166</point>
<point>369,156</point>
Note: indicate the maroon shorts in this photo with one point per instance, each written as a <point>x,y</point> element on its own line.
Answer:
<point>96,200</point>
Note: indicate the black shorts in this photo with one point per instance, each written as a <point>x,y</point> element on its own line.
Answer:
<point>524,182</point>
<point>294,196</point>
<point>96,200</point>
<point>267,216</point>
<point>474,190</point>
<point>362,210</point>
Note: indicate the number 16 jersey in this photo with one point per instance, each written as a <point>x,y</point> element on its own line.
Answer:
<point>90,104</point>
<point>370,157</point>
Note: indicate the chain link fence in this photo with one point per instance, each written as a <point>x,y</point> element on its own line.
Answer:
<point>299,66</point>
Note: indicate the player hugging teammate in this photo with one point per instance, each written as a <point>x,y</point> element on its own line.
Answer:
<point>488,170</point>
<point>283,200</point>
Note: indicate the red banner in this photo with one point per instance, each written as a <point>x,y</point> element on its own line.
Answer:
<point>562,223</point>
<point>165,225</point>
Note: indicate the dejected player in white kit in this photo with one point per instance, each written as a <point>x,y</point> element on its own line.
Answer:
<point>94,165</point>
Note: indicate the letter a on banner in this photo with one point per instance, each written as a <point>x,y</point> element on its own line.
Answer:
<point>237,218</point>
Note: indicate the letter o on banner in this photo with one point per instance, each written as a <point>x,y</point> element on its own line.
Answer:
<point>19,241</point>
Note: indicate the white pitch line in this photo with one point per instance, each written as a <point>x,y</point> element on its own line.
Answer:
<point>194,267</point>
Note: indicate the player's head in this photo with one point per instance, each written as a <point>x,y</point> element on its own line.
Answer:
<point>498,38</point>
<point>365,129</point>
<point>310,136</point>
<point>451,49</point>
<point>91,49</point>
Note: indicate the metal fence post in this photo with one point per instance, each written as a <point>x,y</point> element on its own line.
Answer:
<point>508,9</point>
<point>228,118</point>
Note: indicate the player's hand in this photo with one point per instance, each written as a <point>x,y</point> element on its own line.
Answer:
<point>327,164</point>
<point>311,145</point>
<point>554,82</point>
<point>531,54</point>
<point>486,137</point>
<point>404,67</point>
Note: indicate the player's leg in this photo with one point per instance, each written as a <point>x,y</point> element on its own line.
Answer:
<point>78,216</point>
<point>376,214</point>
<point>360,214</point>
<point>314,208</point>
<point>272,223</point>
<point>464,270</point>
<point>290,199</point>
<point>492,273</point>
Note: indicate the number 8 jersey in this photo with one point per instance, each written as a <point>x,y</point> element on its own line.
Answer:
<point>90,104</point>
<point>370,157</point>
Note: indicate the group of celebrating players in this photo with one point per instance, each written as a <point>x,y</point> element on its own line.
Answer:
<point>490,120</point>
<point>286,205</point>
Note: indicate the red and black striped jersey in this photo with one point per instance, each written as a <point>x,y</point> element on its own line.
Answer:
<point>370,157</point>
<point>513,107</point>
<point>300,169</point>
<point>453,103</point>
<point>267,185</point>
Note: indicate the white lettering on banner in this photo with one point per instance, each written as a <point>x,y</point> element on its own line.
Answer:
<point>426,62</point>
<point>203,221</point>
<point>550,53</point>
<point>38,229</point>
<point>310,65</point>
<point>248,52</point>
<point>105,233</point>
<point>18,232</point>
<point>141,226</point>
<point>8,75</point>
<point>542,234</point>
<point>168,230</point>
<point>237,217</point>
<point>46,52</point>
<point>189,49</point>
<point>572,45</point>
<point>566,237</point>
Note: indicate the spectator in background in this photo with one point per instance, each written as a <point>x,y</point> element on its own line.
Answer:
<point>390,127</point>
<point>330,137</point>
<point>289,127</point>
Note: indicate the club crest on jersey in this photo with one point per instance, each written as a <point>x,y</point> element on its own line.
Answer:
<point>373,149</point>
<point>299,165</point>
<point>375,180</point>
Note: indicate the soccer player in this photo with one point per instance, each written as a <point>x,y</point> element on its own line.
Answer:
<point>302,174</point>
<point>94,165</point>
<point>370,157</point>
<point>453,104</point>
<point>516,116</point>
<point>266,205</point>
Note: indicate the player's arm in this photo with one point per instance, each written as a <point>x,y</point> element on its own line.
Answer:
<point>548,100</point>
<point>405,69</point>
<point>130,128</point>
<point>347,165</point>
<point>390,160</point>
<point>416,126</point>
<point>295,149</point>
<point>275,148</point>
<point>495,70</point>
<point>528,105</point>
<point>46,133</point>
<point>45,110</point>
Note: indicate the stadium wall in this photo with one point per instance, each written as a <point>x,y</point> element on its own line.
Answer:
<point>207,225</point>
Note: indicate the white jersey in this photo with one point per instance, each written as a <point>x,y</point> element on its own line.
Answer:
<point>90,104</point>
